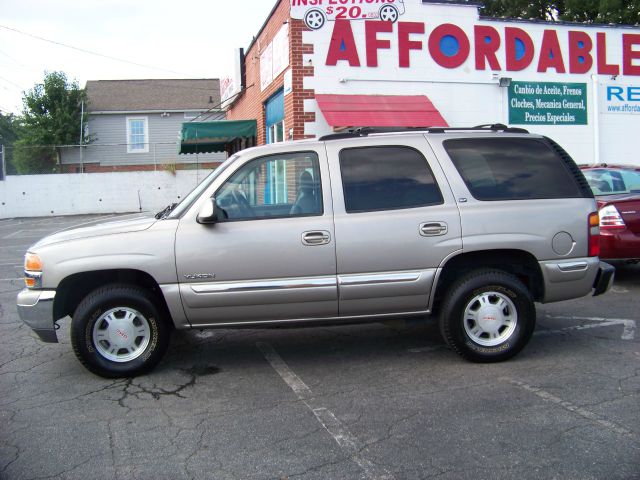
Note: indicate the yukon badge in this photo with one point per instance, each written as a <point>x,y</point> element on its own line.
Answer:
<point>199,276</point>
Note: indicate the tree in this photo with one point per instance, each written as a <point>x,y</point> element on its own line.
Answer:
<point>50,118</point>
<point>585,11</point>
<point>537,9</point>
<point>8,134</point>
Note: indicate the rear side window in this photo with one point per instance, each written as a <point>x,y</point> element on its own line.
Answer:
<point>386,178</point>
<point>511,169</point>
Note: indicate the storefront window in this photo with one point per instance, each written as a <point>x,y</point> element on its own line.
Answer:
<point>276,132</point>
<point>274,109</point>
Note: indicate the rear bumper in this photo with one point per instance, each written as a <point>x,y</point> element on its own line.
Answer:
<point>619,245</point>
<point>567,279</point>
<point>35,308</point>
<point>604,279</point>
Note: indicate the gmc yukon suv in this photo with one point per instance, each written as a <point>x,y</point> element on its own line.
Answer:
<point>471,225</point>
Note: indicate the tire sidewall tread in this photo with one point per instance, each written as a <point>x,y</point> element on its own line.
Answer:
<point>103,299</point>
<point>469,286</point>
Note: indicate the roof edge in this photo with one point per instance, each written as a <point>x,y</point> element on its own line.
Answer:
<point>558,22</point>
<point>264,25</point>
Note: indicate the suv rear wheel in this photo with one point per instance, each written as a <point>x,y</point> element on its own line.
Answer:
<point>487,316</point>
<point>117,331</point>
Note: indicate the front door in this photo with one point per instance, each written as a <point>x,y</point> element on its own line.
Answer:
<point>271,255</point>
<point>395,222</point>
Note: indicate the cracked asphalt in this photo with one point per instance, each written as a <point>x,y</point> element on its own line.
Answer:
<point>385,401</point>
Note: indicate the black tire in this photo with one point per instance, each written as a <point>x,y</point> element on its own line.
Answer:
<point>491,298</point>
<point>121,300</point>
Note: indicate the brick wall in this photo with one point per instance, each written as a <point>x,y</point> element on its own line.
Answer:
<point>251,104</point>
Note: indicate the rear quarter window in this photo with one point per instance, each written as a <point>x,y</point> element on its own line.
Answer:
<point>511,169</point>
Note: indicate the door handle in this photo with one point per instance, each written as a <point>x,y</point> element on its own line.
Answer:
<point>319,237</point>
<point>433,229</point>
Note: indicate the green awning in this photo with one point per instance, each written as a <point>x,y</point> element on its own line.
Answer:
<point>206,137</point>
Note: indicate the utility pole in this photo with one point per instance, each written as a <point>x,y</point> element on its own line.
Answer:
<point>81,135</point>
<point>3,170</point>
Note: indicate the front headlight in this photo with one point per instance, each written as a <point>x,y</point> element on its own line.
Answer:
<point>32,270</point>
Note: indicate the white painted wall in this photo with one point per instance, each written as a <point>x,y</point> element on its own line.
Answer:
<point>75,194</point>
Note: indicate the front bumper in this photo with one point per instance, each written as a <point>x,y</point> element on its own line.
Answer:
<point>35,308</point>
<point>604,279</point>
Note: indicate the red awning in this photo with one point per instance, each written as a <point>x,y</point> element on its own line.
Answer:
<point>380,111</point>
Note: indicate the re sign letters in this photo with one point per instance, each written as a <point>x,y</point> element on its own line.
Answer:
<point>450,47</point>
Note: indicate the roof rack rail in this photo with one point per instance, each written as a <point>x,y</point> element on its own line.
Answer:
<point>366,131</point>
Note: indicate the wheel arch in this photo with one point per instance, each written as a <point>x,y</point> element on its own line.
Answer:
<point>75,287</point>
<point>519,263</point>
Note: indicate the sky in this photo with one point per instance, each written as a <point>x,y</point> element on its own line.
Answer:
<point>180,39</point>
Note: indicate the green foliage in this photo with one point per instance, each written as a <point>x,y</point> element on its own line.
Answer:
<point>537,9</point>
<point>9,128</point>
<point>50,118</point>
<point>585,11</point>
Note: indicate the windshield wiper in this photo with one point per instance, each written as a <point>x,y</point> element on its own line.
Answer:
<point>165,212</point>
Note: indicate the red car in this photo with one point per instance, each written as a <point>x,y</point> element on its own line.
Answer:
<point>617,191</point>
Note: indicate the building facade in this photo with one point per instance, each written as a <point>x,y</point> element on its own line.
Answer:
<point>135,124</point>
<point>320,66</point>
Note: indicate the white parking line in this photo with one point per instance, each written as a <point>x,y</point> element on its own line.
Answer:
<point>349,444</point>
<point>569,406</point>
<point>628,331</point>
<point>13,234</point>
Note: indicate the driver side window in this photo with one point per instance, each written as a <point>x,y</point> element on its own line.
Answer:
<point>277,186</point>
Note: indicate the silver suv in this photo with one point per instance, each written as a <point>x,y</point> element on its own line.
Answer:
<point>473,225</point>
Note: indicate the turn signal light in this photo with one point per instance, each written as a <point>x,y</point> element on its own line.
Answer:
<point>32,263</point>
<point>594,234</point>
<point>32,270</point>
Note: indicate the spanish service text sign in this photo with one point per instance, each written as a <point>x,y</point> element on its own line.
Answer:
<point>547,103</point>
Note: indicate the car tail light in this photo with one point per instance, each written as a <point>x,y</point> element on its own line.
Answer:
<point>594,234</point>
<point>610,218</point>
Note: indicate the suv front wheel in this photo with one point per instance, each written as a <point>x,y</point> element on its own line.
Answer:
<point>117,331</point>
<point>487,316</point>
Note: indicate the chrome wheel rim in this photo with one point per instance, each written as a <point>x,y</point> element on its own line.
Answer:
<point>121,334</point>
<point>490,319</point>
<point>314,19</point>
<point>388,14</point>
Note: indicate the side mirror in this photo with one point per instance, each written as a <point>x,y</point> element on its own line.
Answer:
<point>208,213</point>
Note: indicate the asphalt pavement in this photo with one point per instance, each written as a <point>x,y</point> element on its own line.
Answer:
<point>378,401</point>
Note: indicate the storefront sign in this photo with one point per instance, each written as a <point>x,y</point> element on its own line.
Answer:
<point>510,48</point>
<point>316,13</point>
<point>546,103</point>
<point>275,57</point>
<point>288,82</point>
<point>620,99</point>
<point>231,86</point>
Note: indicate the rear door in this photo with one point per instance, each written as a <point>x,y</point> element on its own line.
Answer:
<point>395,222</point>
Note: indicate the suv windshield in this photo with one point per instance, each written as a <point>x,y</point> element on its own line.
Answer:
<point>608,181</point>
<point>183,206</point>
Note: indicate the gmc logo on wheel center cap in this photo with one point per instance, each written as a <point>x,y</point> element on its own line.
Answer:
<point>122,334</point>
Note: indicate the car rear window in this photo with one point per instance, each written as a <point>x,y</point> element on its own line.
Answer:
<point>511,169</point>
